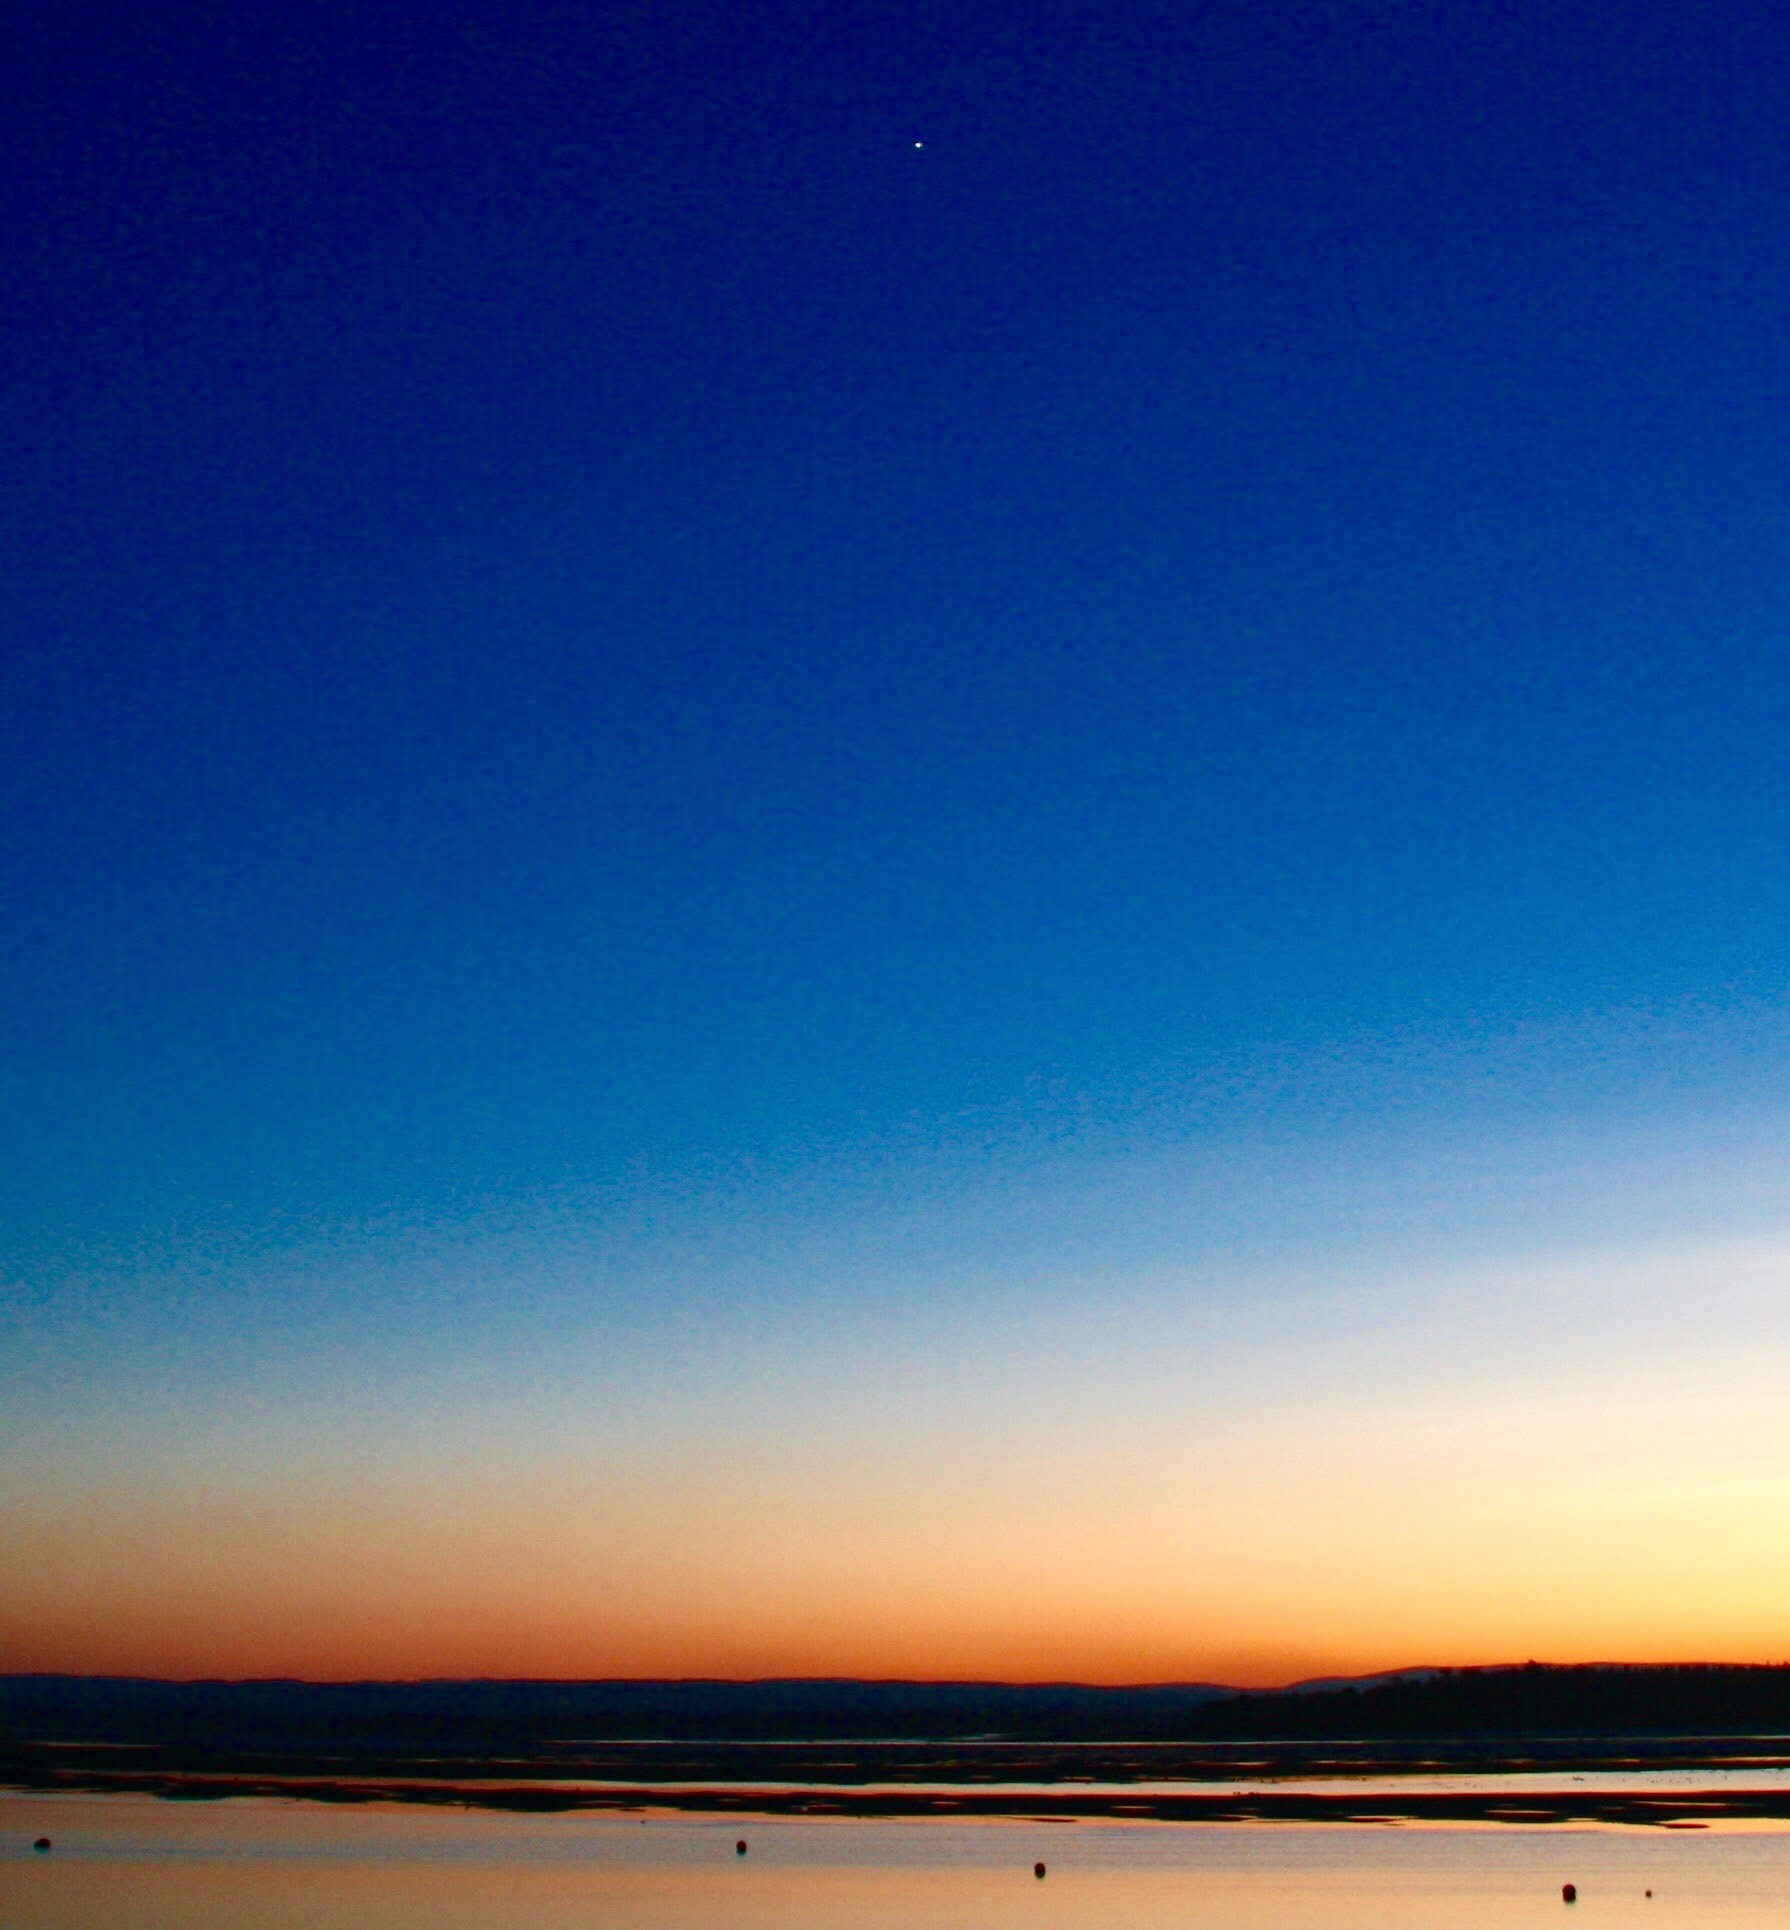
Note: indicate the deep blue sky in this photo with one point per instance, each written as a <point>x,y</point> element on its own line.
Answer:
<point>577,605</point>
<point>930,839</point>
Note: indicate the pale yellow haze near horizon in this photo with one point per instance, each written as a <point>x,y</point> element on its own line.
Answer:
<point>1638,1510</point>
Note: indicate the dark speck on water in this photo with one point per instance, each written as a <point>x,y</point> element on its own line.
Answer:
<point>739,1849</point>
<point>42,1843</point>
<point>1037,1869</point>
<point>1569,1892</point>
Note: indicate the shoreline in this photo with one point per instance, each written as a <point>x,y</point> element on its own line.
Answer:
<point>1608,1804</point>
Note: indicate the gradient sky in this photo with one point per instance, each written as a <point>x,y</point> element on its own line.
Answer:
<point>894,838</point>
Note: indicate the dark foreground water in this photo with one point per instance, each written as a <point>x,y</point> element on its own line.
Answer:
<point>133,1863</point>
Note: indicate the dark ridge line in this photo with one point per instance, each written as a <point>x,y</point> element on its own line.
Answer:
<point>488,1718</point>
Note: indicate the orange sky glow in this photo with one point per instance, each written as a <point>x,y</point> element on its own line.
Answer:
<point>1622,1518</point>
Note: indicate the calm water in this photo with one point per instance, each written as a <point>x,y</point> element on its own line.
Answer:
<point>1707,1781</point>
<point>132,1863</point>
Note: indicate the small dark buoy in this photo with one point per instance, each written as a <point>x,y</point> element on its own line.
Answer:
<point>42,1843</point>
<point>1037,1869</point>
<point>739,1849</point>
<point>1569,1893</point>
<point>1647,1893</point>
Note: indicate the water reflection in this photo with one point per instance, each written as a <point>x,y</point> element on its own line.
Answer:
<point>128,1863</point>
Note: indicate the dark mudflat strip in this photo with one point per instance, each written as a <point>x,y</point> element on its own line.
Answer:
<point>962,1762</point>
<point>1655,1808</point>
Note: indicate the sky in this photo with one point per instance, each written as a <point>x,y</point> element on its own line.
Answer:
<point>894,839</point>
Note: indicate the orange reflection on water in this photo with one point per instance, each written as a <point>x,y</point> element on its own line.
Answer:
<point>137,1865</point>
<point>310,1896</point>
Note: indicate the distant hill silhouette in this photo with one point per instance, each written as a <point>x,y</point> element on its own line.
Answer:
<point>471,1717</point>
<point>1596,1699</point>
<point>495,1718</point>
